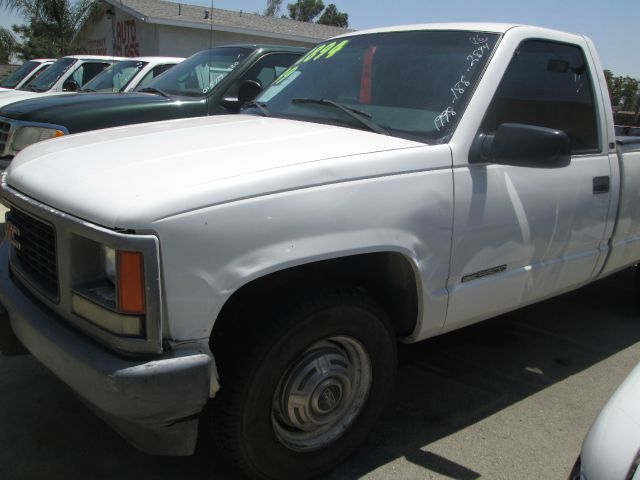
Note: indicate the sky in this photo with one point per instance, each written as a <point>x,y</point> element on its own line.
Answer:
<point>613,25</point>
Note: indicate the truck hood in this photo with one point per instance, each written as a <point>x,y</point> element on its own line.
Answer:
<point>80,112</point>
<point>12,96</point>
<point>128,177</point>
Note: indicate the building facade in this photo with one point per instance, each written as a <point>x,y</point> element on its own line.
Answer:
<point>131,28</point>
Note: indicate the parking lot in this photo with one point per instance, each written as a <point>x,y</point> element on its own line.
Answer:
<point>509,398</point>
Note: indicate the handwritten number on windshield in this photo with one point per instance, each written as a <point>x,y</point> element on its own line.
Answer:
<point>459,87</point>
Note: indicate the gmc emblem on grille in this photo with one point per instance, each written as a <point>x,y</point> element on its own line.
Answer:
<point>13,234</point>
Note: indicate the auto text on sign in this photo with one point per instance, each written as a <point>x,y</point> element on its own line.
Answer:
<point>126,40</point>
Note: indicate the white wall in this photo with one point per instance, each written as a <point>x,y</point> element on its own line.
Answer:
<point>123,36</point>
<point>132,37</point>
<point>186,41</point>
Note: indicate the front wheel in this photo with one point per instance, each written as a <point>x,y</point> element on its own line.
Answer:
<point>315,379</point>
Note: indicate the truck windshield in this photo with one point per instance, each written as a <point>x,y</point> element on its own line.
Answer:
<point>48,79</point>
<point>116,77</point>
<point>20,74</point>
<point>412,84</point>
<point>200,73</point>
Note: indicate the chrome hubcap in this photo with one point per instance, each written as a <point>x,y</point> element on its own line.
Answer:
<point>321,393</point>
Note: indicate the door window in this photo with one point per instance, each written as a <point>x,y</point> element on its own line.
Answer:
<point>547,84</point>
<point>265,71</point>
<point>153,73</point>
<point>87,71</point>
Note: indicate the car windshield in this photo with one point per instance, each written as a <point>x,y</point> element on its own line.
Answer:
<point>48,79</point>
<point>116,77</point>
<point>20,74</point>
<point>412,84</point>
<point>200,73</point>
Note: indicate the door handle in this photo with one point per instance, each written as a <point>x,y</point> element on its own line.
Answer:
<point>601,185</point>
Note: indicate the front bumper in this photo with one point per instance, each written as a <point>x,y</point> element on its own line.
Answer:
<point>153,403</point>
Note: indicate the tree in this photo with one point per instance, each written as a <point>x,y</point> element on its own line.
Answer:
<point>308,10</point>
<point>273,8</point>
<point>305,10</point>
<point>331,16</point>
<point>7,45</point>
<point>622,90</point>
<point>54,25</point>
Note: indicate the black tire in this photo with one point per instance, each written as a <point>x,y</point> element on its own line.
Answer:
<point>243,416</point>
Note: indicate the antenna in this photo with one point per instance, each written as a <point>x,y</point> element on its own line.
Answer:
<point>113,51</point>
<point>210,43</point>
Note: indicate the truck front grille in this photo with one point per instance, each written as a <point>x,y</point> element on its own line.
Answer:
<point>5,127</point>
<point>34,247</point>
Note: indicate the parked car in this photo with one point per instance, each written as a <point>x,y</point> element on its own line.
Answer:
<point>127,75</point>
<point>23,75</point>
<point>392,184</point>
<point>211,82</point>
<point>611,449</point>
<point>65,74</point>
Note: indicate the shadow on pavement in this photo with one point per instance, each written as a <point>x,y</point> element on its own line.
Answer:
<point>444,385</point>
<point>448,383</point>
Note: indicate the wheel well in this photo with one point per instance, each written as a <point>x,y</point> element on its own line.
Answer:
<point>388,277</point>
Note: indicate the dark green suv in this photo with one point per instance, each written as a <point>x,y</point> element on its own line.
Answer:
<point>212,82</point>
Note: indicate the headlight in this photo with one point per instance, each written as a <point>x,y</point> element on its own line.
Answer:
<point>109,264</point>
<point>25,136</point>
<point>119,304</point>
<point>125,271</point>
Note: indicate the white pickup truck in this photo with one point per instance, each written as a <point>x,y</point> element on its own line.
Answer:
<point>392,185</point>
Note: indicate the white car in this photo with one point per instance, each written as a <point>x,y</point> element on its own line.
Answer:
<point>23,75</point>
<point>127,75</point>
<point>611,449</point>
<point>69,74</point>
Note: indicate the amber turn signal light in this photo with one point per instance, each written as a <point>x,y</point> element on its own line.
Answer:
<point>131,282</point>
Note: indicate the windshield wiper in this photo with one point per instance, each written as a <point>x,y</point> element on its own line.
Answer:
<point>260,106</point>
<point>154,90</point>
<point>87,90</point>
<point>363,117</point>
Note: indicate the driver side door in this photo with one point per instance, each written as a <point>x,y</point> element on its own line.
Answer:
<point>521,234</point>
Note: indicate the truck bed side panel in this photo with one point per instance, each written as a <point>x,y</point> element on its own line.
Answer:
<point>625,243</point>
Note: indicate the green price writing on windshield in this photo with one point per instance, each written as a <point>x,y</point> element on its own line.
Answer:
<point>326,51</point>
<point>285,74</point>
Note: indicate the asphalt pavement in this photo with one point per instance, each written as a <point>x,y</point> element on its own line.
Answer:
<point>509,398</point>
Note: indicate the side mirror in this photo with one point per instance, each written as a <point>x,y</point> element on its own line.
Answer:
<point>249,89</point>
<point>230,103</point>
<point>523,146</point>
<point>70,85</point>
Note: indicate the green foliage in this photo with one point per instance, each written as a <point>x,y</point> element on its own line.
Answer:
<point>622,90</point>
<point>305,10</point>
<point>7,45</point>
<point>273,7</point>
<point>331,16</point>
<point>53,26</point>
<point>308,10</point>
